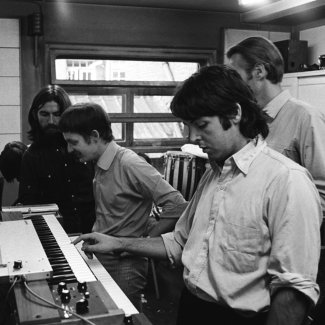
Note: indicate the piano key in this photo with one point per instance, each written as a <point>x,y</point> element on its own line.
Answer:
<point>60,252</point>
<point>80,269</point>
<point>53,251</point>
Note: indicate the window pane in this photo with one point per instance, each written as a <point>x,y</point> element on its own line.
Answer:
<point>109,70</point>
<point>111,104</point>
<point>152,104</point>
<point>158,130</point>
<point>117,131</point>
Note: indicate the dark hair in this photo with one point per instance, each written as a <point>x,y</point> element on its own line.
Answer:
<point>260,50</point>
<point>83,118</point>
<point>216,91</point>
<point>47,94</point>
<point>10,160</point>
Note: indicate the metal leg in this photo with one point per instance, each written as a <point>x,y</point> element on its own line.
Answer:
<point>153,269</point>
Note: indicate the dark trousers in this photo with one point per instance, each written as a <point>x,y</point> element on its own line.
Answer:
<point>194,311</point>
<point>129,272</point>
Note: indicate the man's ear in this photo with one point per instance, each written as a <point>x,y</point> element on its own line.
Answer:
<point>259,72</point>
<point>237,118</point>
<point>94,135</point>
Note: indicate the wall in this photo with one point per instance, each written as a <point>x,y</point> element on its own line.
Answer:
<point>10,128</point>
<point>316,42</point>
<point>10,120</point>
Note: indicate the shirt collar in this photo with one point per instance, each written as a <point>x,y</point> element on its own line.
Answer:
<point>106,159</point>
<point>244,157</point>
<point>274,106</point>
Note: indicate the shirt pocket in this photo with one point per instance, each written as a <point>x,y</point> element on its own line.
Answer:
<point>240,248</point>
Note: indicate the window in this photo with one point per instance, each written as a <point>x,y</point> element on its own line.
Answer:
<point>135,87</point>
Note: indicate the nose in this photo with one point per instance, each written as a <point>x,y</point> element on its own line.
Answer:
<point>51,119</point>
<point>193,135</point>
<point>70,148</point>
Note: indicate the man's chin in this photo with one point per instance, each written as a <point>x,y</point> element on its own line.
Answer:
<point>51,131</point>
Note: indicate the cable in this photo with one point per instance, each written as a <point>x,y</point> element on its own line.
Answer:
<point>11,287</point>
<point>55,305</point>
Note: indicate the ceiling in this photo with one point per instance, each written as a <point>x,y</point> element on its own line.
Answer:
<point>286,12</point>
<point>205,5</point>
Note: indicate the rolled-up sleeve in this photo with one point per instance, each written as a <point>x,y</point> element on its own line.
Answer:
<point>291,280</point>
<point>173,248</point>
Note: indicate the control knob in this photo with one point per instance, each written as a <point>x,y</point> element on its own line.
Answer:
<point>82,286</point>
<point>61,286</point>
<point>82,306</point>
<point>65,296</point>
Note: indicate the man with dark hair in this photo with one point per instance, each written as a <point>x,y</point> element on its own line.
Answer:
<point>297,129</point>
<point>125,188</point>
<point>10,160</point>
<point>49,174</point>
<point>247,258</point>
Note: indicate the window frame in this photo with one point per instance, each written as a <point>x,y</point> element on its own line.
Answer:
<point>129,89</point>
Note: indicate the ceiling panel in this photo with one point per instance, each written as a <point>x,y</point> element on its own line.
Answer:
<point>270,12</point>
<point>205,5</point>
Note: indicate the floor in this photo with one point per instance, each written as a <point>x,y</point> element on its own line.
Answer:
<point>163,311</point>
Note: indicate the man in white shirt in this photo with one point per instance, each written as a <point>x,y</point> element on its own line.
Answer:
<point>249,239</point>
<point>297,129</point>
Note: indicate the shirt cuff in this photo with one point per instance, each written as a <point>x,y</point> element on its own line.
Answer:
<point>173,249</point>
<point>291,280</point>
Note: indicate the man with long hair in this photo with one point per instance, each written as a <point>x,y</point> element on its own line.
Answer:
<point>49,174</point>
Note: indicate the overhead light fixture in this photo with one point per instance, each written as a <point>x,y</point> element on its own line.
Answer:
<point>279,2</point>
<point>279,9</point>
<point>249,3</point>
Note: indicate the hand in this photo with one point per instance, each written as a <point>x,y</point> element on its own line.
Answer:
<point>97,243</point>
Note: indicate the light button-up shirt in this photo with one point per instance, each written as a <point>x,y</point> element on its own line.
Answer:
<point>251,228</point>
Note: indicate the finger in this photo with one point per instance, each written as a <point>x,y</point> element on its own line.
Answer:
<point>89,255</point>
<point>85,248</point>
<point>83,237</point>
<point>77,240</point>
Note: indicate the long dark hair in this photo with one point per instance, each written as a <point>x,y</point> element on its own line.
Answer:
<point>216,91</point>
<point>47,94</point>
